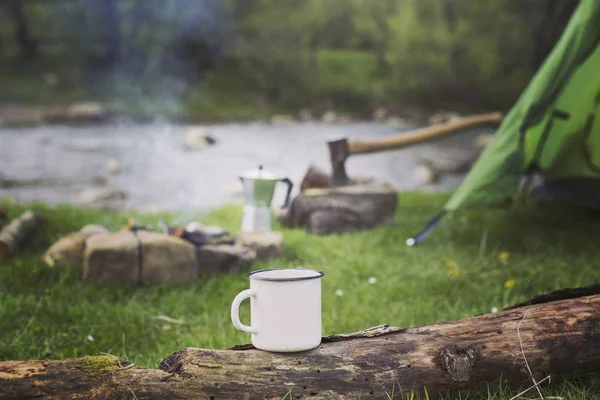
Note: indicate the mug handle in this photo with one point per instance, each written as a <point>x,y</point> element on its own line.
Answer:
<point>290,186</point>
<point>235,310</point>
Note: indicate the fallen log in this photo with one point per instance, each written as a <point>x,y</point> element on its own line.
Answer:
<point>15,232</point>
<point>557,338</point>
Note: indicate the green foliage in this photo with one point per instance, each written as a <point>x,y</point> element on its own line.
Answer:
<point>459,54</point>
<point>346,71</point>
<point>464,50</point>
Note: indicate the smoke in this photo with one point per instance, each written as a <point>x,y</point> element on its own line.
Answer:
<point>145,54</point>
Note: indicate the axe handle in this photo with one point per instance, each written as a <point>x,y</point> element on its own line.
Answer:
<point>421,135</point>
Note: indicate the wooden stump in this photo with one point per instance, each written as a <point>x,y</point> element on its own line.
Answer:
<point>324,211</point>
<point>558,339</point>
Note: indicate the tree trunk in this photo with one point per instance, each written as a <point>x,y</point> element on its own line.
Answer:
<point>114,43</point>
<point>559,338</point>
<point>28,45</point>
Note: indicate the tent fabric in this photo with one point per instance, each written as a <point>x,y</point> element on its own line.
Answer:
<point>553,129</point>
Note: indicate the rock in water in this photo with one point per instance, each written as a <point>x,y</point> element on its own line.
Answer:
<point>223,258</point>
<point>305,115</point>
<point>483,140</point>
<point>267,245</point>
<point>443,117</point>
<point>96,195</point>
<point>114,166</point>
<point>197,139</point>
<point>139,257</point>
<point>396,122</point>
<point>282,120</point>
<point>329,117</point>
<point>85,111</point>
<point>425,174</point>
<point>379,114</point>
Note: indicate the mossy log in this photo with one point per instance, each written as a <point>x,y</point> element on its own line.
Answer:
<point>558,338</point>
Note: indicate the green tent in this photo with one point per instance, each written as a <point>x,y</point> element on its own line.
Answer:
<point>552,133</point>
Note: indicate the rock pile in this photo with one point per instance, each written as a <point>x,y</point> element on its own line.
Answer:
<point>139,255</point>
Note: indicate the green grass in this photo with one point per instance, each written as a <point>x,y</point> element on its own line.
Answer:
<point>458,272</point>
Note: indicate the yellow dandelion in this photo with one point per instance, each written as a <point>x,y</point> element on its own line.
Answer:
<point>452,268</point>
<point>510,283</point>
<point>503,256</point>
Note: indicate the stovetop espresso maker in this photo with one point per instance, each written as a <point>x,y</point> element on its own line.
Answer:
<point>259,188</point>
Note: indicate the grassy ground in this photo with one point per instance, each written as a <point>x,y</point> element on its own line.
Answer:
<point>473,262</point>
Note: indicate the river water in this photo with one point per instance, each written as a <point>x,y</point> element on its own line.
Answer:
<point>61,164</point>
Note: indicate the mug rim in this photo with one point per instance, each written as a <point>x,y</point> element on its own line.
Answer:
<point>319,274</point>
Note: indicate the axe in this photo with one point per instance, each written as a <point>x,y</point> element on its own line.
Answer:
<point>339,150</point>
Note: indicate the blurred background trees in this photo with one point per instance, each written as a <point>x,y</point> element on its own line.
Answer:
<point>190,55</point>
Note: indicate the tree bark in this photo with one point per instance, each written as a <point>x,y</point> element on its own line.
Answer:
<point>558,338</point>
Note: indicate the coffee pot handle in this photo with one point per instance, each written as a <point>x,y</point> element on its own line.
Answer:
<point>290,185</point>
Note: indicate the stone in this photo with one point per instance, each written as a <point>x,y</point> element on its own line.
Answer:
<point>85,111</point>
<point>112,259</point>
<point>329,117</point>
<point>20,117</point>
<point>197,138</point>
<point>282,120</point>
<point>482,141</point>
<point>69,250</point>
<point>379,114</point>
<point>114,166</point>
<point>223,258</point>
<point>305,115</point>
<point>200,235</point>
<point>443,117</point>
<point>91,229</point>
<point>139,257</point>
<point>344,119</point>
<point>167,259</point>
<point>267,245</point>
<point>396,122</point>
<point>101,194</point>
<point>425,174</point>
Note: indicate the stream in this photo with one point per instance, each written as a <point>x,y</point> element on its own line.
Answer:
<point>68,164</point>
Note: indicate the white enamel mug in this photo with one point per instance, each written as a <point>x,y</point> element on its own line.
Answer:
<point>285,309</point>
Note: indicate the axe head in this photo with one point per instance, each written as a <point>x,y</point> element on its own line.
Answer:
<point>338,152</point>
